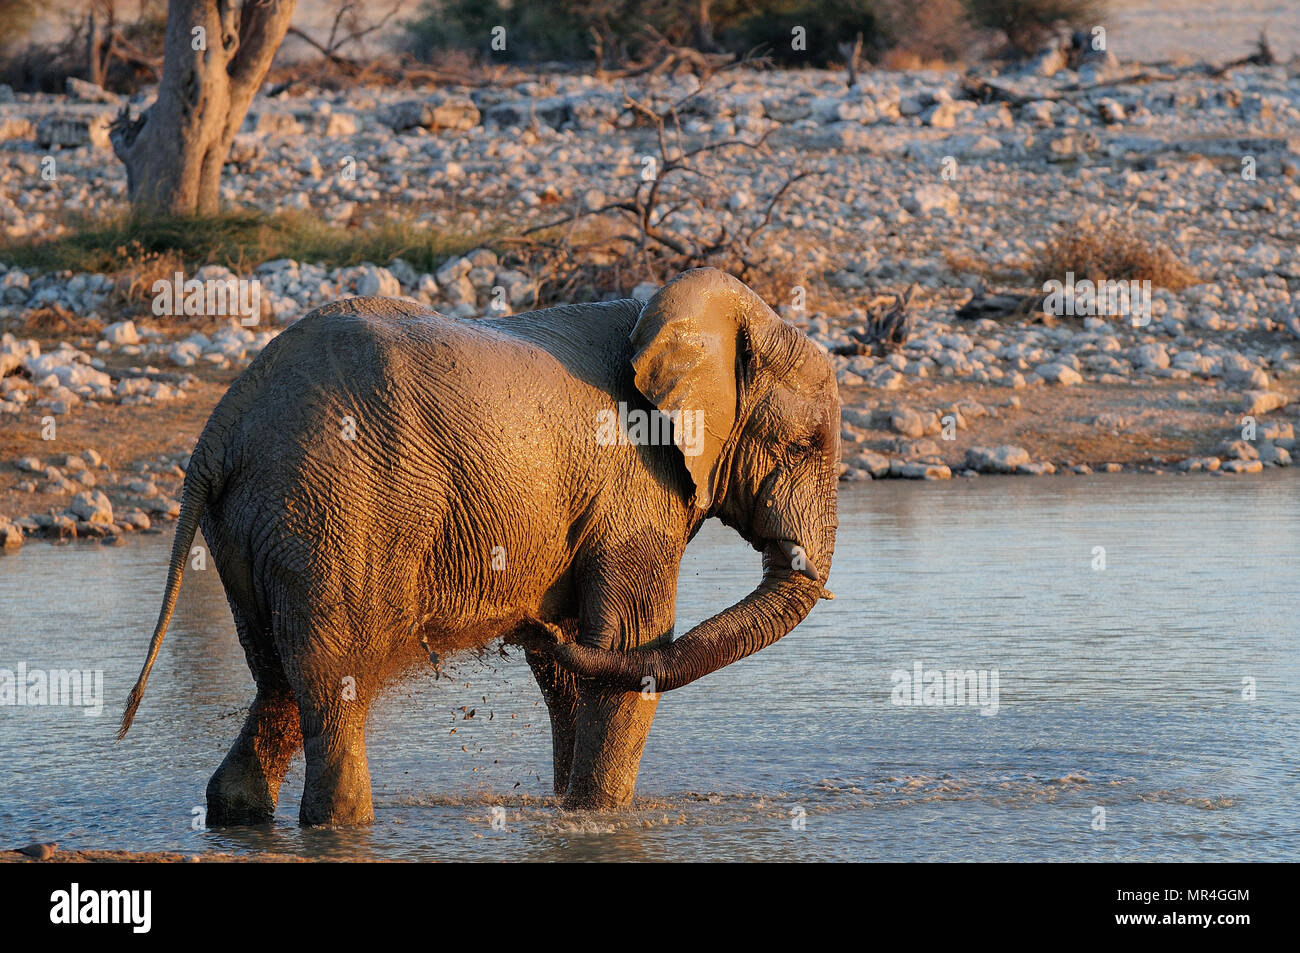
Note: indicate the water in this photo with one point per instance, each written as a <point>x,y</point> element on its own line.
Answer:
<point>1120,689</point>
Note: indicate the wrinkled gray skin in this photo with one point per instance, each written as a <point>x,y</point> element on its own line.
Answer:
<point>346,561</point>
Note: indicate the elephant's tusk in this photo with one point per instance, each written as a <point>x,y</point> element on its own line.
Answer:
<point>827,594</point>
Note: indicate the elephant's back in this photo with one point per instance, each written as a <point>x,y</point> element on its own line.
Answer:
<point>376,428</point>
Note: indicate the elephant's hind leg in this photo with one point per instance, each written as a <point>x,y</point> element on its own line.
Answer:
<point>337,788</point>
<point>333,682</point>
<point>246,787</point>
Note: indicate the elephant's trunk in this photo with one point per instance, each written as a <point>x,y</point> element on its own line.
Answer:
<point>780,602</point>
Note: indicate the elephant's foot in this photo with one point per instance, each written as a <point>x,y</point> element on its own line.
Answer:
<point>337,787</point>
<point>598,794</point>
<point>234,801</point>
<point>338,809</point>
<point>337,795</point>
<point>245,789</point>
<point>611,734</point>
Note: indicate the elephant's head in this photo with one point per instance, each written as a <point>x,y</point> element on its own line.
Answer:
<point>766,463</point>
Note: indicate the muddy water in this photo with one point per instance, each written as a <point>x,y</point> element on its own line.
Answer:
<point>1120,690</point>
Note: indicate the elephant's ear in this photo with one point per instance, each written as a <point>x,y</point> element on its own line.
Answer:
<point>688,350</point>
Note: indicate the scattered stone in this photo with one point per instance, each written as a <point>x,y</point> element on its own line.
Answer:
<point>645,291</point>
<point>919,471</point>
<point>451,112</point>
<point>1237,449</point>
<point>1256,403</point>
<point>907,422</point>
<point>1037,468</point>
<point>1149,356</point>
<point>11,536</point>
<point>1271,453</point>
<point>876,464</point>
<point>933,199</point>
<point>1004,459</point>
<point>1057,373</point>
<point>1241,466</point>
<point>92,506</point>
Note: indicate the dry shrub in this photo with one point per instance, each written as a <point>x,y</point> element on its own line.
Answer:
<point>923,34</point>
<point>139,271</point>
<point>1028,24</point>
<point>628,241</point>
<point>57,321</point>
<point>1110,251</point>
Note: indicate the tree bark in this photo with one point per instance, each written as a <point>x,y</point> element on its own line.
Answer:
<point>174,151</point>
<point>704,27</point>
<point>95,50</point>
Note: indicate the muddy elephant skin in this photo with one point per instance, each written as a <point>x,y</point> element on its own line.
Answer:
<point>384,485</point>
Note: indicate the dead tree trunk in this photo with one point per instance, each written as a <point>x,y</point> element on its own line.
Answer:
<point>216,55</point>
<point>704,27</point>
<point>95,50</point>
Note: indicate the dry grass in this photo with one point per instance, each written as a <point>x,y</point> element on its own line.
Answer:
<point>239,240</point>
<point>1110,251</point>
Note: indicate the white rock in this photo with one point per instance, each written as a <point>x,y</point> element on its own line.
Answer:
<point>1258,402</point>
<point>1059,373</point>
<point>453,269</point>
<point>933,199</point>
<point>645,291</point>
<point>1004,459</point>
<point>121,332</point>
<point>1149,356</point>
<point>91,506</point>
<point>375,281</point>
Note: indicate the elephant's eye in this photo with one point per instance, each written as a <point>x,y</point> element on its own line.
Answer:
<point>812,443</point>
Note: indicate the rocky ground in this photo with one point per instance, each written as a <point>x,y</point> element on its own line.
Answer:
<point>925,178</point>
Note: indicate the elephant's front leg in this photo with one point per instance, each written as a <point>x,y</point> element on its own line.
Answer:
<point>612,726</point>
<point>611,732</point>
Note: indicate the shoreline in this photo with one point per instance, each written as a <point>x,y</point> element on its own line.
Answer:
<point>118,470</point>
<point>102,856</point>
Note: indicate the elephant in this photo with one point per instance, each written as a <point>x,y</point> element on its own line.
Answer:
<point>384,485</point>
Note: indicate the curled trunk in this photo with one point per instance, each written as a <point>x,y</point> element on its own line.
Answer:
<point>780,602</point>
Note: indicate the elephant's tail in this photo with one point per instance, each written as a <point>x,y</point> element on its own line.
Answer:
<point>194,498</point>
